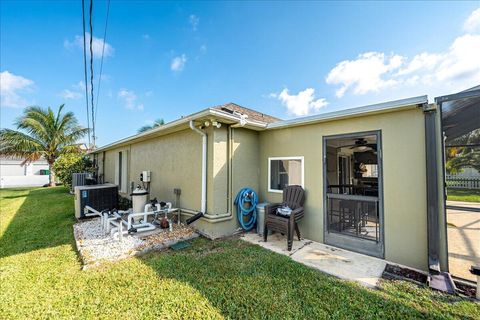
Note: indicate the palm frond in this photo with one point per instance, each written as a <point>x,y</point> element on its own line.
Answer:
<point>45,134</point>
<point>18,144</point>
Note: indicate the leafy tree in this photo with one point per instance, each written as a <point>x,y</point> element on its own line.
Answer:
<point>43,134</point>
<point>70,163</point>
<point>459,158</point>
<point>156,123</point>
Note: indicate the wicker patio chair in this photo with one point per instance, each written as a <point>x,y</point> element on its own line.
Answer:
<point>294,198</point>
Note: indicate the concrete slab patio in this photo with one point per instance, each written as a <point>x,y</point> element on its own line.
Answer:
<point>337,262</point>
<point>463,238</point>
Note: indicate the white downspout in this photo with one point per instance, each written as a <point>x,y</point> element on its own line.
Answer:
<point>204,165</point>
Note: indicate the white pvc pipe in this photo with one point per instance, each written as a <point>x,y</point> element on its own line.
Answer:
<point>215,218</point>
<point>90,212</point>
<point>204,165</point>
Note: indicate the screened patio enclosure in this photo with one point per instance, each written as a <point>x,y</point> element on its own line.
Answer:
<point>352,198</point>
<point>461,140</point>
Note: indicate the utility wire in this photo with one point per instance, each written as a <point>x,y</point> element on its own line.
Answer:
<point>101,61</point>
<point>91,73</point>
<point>85,69</point>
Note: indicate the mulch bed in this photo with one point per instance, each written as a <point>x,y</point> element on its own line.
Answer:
<point>466,289</point>
<point>400,273</point>
<point>393,272</point>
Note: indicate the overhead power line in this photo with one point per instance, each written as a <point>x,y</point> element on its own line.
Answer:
<point>85,70</point>
<point>91,73</point>
<point>101,61</point>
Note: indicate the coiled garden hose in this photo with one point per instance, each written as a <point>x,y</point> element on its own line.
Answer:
<point>246,202</point>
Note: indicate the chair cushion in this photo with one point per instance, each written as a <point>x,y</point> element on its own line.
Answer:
<point>284,211</point>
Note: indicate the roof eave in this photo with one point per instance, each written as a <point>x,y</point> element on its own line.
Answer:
<point>250,124</point>
<point>352,112</point>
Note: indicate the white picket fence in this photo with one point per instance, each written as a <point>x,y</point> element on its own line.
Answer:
<point>463,182</point>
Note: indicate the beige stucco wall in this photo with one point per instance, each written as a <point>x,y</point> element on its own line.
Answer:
<point>404,178</point>
<point>109,164</point>
<point>175,162</point>
<point>245,173</point>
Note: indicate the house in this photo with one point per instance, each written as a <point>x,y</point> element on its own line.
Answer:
<point>14,173</point>
<point>372,174</point>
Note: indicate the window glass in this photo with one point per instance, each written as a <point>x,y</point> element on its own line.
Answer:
<point>285,172</point>
<point>371,171</point>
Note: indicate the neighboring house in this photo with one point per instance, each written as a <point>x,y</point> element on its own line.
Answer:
<point>364,171</point>
<point>14,174</point>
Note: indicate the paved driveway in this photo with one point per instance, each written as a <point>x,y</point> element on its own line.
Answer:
<point>463,239</point>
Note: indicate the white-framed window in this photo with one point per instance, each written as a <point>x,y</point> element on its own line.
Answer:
<point>121,171</point>
<point>285,171</point>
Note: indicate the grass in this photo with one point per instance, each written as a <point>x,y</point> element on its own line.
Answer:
<point>467,195</point>
<point>40,277</point>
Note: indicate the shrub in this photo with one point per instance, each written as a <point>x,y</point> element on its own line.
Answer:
<point>124,203</point>
<point>68,164</point>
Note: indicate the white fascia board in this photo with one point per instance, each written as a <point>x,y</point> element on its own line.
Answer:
<point>185,120</point>
<point>352,112</point>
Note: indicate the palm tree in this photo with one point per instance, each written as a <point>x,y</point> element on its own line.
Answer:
<point>156,123</point>
<point>45,135</point>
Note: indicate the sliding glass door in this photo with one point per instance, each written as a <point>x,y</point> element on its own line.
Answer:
<point>353,216</point>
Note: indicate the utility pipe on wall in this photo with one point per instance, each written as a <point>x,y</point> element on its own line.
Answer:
<point>215,218</point>
<point>204,165</point>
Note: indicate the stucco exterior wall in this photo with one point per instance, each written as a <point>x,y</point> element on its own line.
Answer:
<point>245,171</point>
<point>175,162</point>
<point>109,165</point>
<point>404,176</point>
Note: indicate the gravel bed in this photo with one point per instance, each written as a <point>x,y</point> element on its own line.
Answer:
<point>95,246</point>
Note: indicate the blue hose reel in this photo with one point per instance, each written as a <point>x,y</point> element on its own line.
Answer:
<point>246,202</point>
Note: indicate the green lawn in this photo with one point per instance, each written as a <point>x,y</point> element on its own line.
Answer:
<point>40,277</point>
<point>463,195</point>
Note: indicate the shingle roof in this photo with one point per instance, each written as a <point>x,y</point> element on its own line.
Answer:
<point>252,114</point>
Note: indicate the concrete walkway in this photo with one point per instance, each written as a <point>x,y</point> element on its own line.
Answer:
<point>463,239</point>
<point>337,262</point>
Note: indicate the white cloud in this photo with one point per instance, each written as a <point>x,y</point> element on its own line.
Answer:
<point>454,69</point>
<point>458,68</point>
<point>421,61</point>
<point>129,99</point>
<point>70,95</point>
<point>11,89</point>
<point>76,92</point>
<point>364,74</point>
<point>472,24</point>
<point>203,48</point>
<point>461,61</point>
<point>178,63</point>
<point>97,45</point>
<point>302,103</point>
<point>194,21</point>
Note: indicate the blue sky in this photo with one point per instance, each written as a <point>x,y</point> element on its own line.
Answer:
<point>287,59</point>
